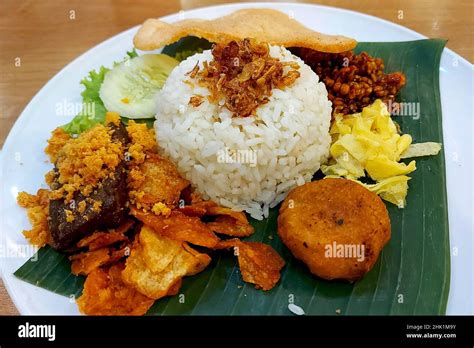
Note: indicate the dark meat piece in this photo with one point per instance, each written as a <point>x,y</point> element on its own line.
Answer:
<point>112,193</point>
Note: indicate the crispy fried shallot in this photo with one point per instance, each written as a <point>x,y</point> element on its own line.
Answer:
<point>243,74</point>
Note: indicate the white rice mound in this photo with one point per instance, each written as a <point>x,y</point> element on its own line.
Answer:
<point>276,150</point>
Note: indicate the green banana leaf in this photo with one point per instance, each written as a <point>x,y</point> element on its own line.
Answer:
<point>412,274</point>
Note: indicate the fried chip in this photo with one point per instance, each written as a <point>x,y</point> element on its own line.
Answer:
<point>201,260</point>
<point>198,209</point>
<point>231,227</point>
<point>174,289</point>
<point>179,227</point>
<point>237,215</point>
<point>259,263</point>
<point>227,244</point>
<point>117,255</point>
<point>190,196</point>
<point>264,25</point>
<point>106,294</point>
<point>100,239</point>
<point>229,222</point>
<point>157,252</point>
<point>138,274</point>
<point>86,262</point>
<point>155,181</point>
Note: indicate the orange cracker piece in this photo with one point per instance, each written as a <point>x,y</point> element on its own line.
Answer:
<point>230,222</point>
<point>86,262</point>
<point>156,180</point>
<point>227,244</point>
<point>100,239</point>
<point>174,289</point>
<point>259,263</point>
<point>231,227</point>
<point>180,227</point>
<point>264,25</point>
<point>198,209</point>
<point>140,273</point>
<point>106,294</point>
<point>237,215</point>
<point>157,252</point>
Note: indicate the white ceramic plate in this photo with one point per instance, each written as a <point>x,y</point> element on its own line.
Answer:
<point>24,162</point>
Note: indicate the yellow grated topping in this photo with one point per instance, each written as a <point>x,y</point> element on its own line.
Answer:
<point>59,137</point>
<point>142,140</point>
<point>161,209</point>
<point>38,210</point>
<point>84,161</point>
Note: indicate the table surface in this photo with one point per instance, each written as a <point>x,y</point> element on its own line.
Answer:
<point>45,37</point>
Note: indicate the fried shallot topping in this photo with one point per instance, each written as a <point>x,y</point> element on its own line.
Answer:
<point>243,74</point>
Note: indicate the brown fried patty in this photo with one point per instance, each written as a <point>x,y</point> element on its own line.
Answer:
<point>335,226</point>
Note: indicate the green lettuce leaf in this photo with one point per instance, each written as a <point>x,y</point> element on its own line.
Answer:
<point>132,54</point>
<point>93,109</point>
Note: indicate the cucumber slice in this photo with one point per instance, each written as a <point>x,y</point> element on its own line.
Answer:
<point>130,88</point>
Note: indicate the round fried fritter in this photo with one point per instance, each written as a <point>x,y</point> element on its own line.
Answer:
<point>335,226</point>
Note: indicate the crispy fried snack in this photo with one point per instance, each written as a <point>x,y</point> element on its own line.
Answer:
<point>106,294</point>
<point>174,289</point>
<point>259,263</point>
<point>229,222</point>
<point>100,239</point>
<point>38,211</point>
<point>157,252</point>
<point>86,262</point>
<point>200,261</point>
<point>179,227</point>
<point>198,209</point>
<point>264,25</point>
<point>335,226</point>
<point>237,215</point>
<point>229,226</point>
<point>155,181</point>
<point>141,276</point>
<point>100,250</point>
<point>227,244</point>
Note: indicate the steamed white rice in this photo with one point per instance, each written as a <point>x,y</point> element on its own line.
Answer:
<point>279,148</point>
